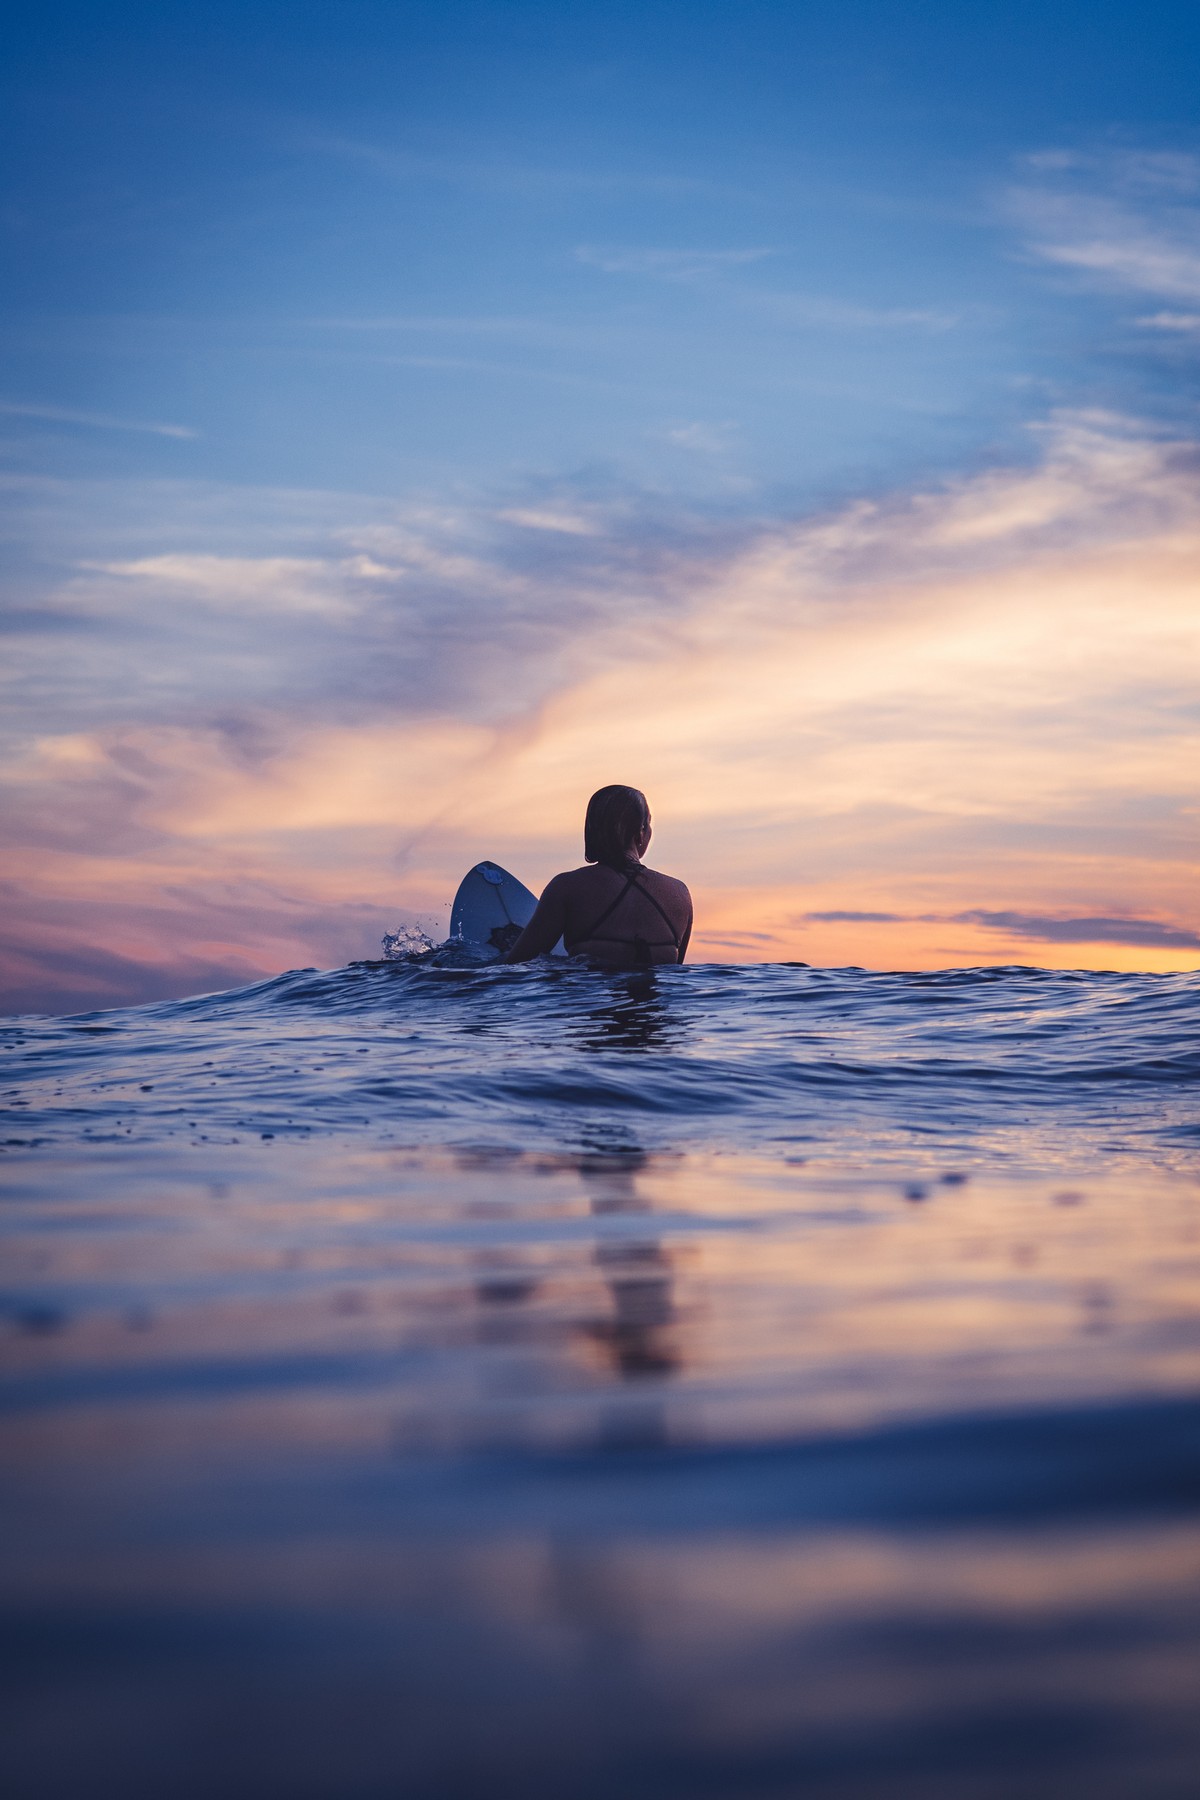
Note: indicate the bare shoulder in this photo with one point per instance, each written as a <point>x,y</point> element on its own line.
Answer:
<point>668,884</point>
<point>561,886</point>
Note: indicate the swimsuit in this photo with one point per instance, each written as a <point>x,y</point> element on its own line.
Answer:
<point>641,947</point>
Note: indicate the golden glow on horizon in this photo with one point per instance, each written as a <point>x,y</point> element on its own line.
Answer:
<point>1020,739</point>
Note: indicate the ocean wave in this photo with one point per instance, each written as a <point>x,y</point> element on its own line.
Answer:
<point>439,1046</point>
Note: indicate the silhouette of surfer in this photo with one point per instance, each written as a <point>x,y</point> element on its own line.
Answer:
<point>614,910</point>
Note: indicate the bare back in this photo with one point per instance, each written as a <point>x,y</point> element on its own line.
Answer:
<point>619,918</point>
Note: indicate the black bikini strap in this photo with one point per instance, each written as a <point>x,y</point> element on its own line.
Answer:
<point>661,911</point>
<point>632,881</point>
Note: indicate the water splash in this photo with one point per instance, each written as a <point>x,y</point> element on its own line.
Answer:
<point>405,941</point>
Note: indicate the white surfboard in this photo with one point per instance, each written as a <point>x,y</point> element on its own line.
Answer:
<point>491,908</point>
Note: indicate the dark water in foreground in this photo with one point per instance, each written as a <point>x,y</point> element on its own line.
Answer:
<point>434,1380</point>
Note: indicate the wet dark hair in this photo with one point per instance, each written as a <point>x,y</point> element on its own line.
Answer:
<point>615,820</point>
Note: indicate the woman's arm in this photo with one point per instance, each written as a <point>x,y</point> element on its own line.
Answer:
<point>686,939</point>
<point>544,929</point>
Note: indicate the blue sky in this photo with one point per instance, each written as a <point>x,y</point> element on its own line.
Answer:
<point>408,412</point>
<point>754,253</point>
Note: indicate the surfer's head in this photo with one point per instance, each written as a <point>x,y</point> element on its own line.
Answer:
<point>617,825</point>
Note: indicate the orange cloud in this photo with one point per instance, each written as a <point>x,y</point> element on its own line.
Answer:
<point>947,711</point>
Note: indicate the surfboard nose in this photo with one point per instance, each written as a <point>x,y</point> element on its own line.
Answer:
<point>490,900</point>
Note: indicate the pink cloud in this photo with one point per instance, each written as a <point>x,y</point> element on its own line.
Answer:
<point>976,702</point>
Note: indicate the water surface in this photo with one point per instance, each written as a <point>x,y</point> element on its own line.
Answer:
<point>435,1379</point>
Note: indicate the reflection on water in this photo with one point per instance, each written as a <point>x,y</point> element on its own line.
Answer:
<point>633,1015</point>
<point>637,1272</point>
<point>623,1323</point>
<point>635,1335</point>
<point>368,1473</point>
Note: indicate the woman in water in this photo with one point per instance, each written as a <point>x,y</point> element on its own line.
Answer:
<point>615,911</point>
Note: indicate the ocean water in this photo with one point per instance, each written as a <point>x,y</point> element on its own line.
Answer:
<point>431,1378</point>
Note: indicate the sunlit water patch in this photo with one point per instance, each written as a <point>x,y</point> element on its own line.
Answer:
<point>439,1380</point>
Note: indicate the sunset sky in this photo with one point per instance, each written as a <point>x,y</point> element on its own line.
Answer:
<point>415,416</point>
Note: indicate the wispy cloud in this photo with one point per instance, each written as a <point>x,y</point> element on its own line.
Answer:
<point>63,415</point>
<point>666,264</point>
<point>1134,171</point>
<point>289,585</point>
<point>1110,244</point>
<point>697,434</point>
<point>855,918</point>
<point>1049,930</point>
<point>1040,928</point>
<point>1131,220</point>
<point>743,941</point>
<point>421,607</point>
<point>574,522</point>
<point>1171,321</point>
<point>499,173</point>
<point>425,322</point>
<point>822,313</point>
<point>511,331</point>
<point>812,311</point>
<point>975,704</point>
